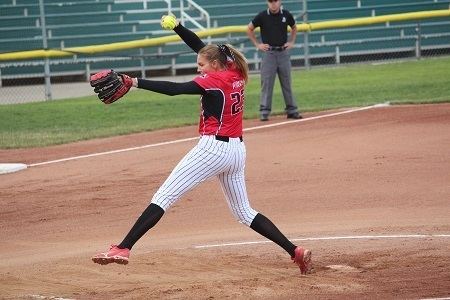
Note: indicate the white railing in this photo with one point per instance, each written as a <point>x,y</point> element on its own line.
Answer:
<point>169,5</point>
<point>185,16</point>
<point>145,3</point>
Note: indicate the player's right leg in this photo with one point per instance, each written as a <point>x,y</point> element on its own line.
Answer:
<point>234,188</point>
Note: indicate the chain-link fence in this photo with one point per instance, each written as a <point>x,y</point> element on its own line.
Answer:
<point>375,43</point>
<point>53,24</point>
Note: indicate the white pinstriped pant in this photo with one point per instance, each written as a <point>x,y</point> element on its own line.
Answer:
<point>209,158</point>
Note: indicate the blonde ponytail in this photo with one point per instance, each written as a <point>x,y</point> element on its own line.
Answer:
<point>217,52</point>
<point>240,61</point>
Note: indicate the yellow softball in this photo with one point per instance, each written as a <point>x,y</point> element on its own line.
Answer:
<point>168,22</point>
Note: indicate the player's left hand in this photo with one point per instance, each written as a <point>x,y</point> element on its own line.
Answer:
<point>110,85</point>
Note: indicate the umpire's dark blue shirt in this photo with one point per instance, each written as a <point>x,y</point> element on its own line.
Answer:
<point>274,26</point>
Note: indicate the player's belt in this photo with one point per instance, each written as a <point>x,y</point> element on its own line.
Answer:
<point>276,48</point>
<point>226,138</point>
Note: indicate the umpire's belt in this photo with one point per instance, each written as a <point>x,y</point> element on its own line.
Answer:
<point>226,138</point>
<point>276,48</point>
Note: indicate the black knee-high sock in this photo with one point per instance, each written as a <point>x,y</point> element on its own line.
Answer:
<point>266,228</point>
<point>151,215</point>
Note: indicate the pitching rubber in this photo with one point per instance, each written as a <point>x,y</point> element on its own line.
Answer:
<point>107,260</point>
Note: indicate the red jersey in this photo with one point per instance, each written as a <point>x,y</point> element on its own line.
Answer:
<point>222,106</point>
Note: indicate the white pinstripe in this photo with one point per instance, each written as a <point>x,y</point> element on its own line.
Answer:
<point>210,158</point>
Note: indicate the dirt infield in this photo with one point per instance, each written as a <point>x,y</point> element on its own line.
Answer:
<point>368,192</point>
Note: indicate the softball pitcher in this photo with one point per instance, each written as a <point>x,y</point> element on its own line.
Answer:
<point>220,151</point>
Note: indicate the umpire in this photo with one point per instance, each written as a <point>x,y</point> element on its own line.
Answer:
<point>276,57</point>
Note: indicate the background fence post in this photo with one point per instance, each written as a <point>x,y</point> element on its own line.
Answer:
<point>257,61</point>
<point>88,72</point>
<point>141,52</point>
<point>338,55</point>
<point>173,72</point>
<point>48,87</point>
<point>418,42</point>
<point>306,36</point>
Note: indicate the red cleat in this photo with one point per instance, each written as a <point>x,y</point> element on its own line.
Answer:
<point>303,260</point>
<point>114,255</point>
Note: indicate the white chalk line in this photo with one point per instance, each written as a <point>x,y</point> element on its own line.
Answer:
<point>112,152</point>
<point>194,138</point>
<point>327,238</point>
<point>319,117</point>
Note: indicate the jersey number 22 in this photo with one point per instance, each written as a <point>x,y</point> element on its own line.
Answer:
<point>238,102</point>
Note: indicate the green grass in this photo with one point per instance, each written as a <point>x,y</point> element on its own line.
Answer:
<point>63,121</point>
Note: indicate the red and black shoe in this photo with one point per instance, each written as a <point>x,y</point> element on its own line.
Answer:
<point>303,260</point>
<point>114,255</point>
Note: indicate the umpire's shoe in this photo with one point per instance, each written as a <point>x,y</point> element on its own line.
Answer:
<point>114,255</point>
<point>303,260</point>
<point>264,117</point>
<point>295,115</point>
